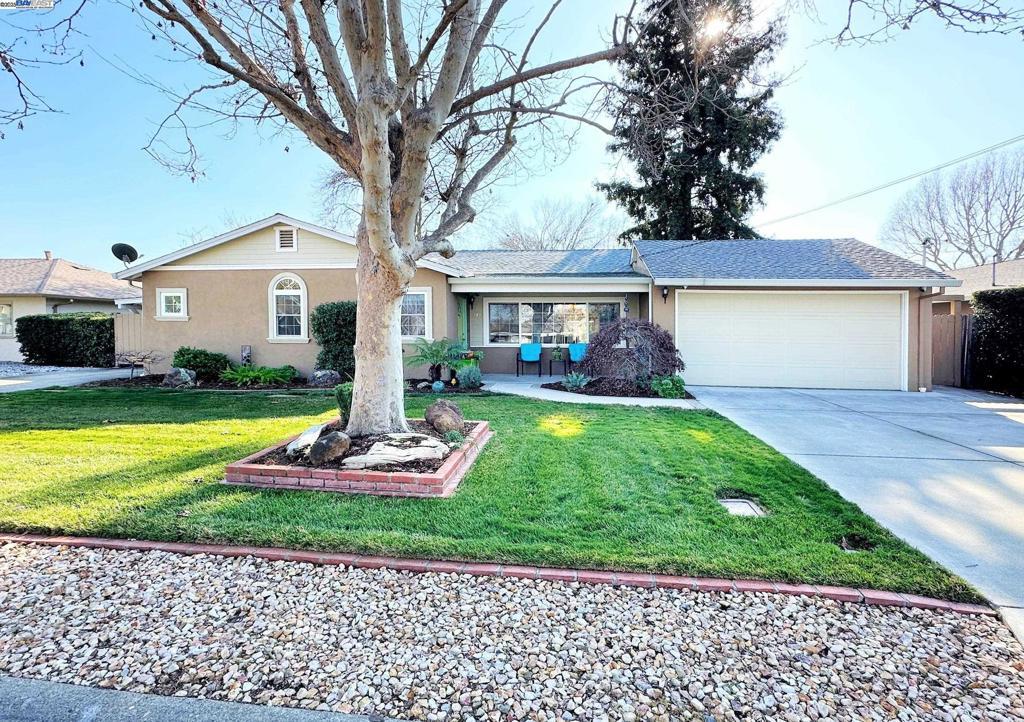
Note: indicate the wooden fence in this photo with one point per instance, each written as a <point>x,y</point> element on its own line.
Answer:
<point>127,333</point>
<point>951,349</point>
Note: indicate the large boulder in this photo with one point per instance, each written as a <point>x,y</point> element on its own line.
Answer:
<point>303,441</point>
<point>178,378</point>
<point>329,447</point>
<point>445,416</point>
<point>325,378</point>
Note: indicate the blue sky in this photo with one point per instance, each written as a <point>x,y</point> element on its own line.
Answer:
<point>855,117</point>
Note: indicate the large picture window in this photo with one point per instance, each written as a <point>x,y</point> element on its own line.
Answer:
<point>288,312</point>
<point>551,324</point>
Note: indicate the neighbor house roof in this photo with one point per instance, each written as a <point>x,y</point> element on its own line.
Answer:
<point>979,278</point>
<point>60,278</point>
<point>815,262</point>
<point>592,262</point>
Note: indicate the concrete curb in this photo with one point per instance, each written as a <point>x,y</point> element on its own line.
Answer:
<point>582,576</point>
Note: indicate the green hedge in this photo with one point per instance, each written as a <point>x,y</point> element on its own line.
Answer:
<point>334,328</point>
<point>997,349</point>
<point>67,339</point>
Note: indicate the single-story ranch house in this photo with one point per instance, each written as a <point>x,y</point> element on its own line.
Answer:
<point>804,313</point>
<point>30,286</point>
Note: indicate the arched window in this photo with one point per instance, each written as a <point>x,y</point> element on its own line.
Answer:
<point>288,309</point>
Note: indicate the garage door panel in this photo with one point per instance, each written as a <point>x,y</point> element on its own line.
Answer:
<point>802,340</point>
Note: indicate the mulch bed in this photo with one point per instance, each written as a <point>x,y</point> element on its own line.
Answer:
<point>362,444</point>
<point>410,385</point>
<point>610,387</point>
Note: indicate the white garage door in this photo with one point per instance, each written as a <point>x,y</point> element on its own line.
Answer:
<point>802,340</point>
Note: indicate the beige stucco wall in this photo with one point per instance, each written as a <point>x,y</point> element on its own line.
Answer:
<point>502,359</point>
<point>919,327</point>
<point>22,306</point>
<point>228,309</point>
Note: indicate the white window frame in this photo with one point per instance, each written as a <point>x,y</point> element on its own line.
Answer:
<point>486,324</point>
<point>428,307</point>
<point>161,293</point>
<point>272,294</point>
<point>295,239</point>
<point>13,326</point>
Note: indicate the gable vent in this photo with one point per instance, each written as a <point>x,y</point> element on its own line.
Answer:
<point>286,239</point>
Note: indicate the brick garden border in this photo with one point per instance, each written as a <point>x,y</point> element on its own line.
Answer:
<point>441,483</point>
<point>582,576</point>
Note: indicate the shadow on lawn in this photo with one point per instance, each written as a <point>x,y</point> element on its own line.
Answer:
<point>84,408</point>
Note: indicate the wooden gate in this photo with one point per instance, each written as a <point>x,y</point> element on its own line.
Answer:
<point>127,333</point>
<point>951,340</point>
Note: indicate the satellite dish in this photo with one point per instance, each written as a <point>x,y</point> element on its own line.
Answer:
<point>124,252</point>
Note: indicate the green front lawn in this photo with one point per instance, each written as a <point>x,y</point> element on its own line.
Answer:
<point>565,485</point>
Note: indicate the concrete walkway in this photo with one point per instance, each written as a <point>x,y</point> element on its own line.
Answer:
<point>943,470</point>
<point>530,386</point>
<point>30,700</point>
<point>71,377</point>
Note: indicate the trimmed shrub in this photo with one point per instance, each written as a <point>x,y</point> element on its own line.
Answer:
<point>469,377</point>
<point>67,339</point>
<point>343,394</point>
<point>208,365</point>
<point>669,387</point>
<point>631,349</point>
<point>333,326</point>
<point>997,349</point>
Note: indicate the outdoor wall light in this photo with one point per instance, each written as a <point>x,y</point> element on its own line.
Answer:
<point>664,294</point>
<point>625,305</point>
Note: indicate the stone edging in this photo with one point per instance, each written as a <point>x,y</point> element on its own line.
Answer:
<point>440,483</point>
<point>582,576</point>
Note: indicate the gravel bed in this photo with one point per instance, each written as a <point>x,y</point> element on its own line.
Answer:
<point>16,368</point>
<point>455,647</point>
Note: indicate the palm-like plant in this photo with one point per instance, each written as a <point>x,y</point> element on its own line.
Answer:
<point>436,355</point>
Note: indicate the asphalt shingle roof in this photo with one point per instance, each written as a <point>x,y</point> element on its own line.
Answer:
<point>60,278</point>
<point>816,258</point>
<point>979,278</point>
<point>594,262</point>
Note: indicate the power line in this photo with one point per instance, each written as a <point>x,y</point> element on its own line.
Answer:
<point>904,179</point>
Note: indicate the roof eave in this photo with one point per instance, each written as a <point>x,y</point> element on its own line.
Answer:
<point>810,282</point>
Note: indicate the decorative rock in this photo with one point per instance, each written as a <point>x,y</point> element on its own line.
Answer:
<point>305,440</point>
<point>444,416</point>
<point>178,378</point>
<point>325,378</point>
<point>383,643</point>
<point>329,447</point>
<point>399,449</point>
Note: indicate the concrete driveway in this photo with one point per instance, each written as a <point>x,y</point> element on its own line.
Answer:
<point>71,377</point>
<point>943,470</point>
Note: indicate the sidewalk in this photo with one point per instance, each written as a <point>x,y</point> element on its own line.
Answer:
<point>530,386</point>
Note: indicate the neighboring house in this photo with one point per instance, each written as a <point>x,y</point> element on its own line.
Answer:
<point>1005,274</point>
<point>53,285</point>
<point>806,313</point>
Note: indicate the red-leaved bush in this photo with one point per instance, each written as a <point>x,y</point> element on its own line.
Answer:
<point>631,349</point>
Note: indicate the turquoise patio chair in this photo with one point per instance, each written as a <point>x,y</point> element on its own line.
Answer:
<point>576,353</point>
<point>529,353</point>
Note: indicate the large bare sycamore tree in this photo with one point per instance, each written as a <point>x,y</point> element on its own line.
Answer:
<point>398,94</point>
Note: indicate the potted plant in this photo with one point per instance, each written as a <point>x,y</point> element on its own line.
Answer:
<point>557,354</point>
<point>435,355</point>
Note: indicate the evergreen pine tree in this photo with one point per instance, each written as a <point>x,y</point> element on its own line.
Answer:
<point>694,114</point>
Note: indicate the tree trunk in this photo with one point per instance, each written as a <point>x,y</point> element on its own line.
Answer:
<point>378,398</point>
